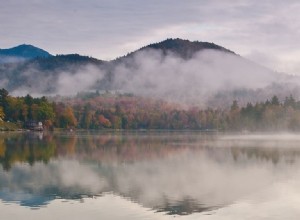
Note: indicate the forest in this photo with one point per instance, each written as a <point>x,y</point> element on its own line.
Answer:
<point>126,111</point>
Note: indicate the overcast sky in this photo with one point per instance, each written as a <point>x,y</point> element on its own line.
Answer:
<point>266,31</point>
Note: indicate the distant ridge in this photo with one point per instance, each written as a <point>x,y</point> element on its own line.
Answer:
<point>24,51</point>
<point>182,48</point>
<point>179,47</point>
<point>168,69</point>
<point>185,48</point>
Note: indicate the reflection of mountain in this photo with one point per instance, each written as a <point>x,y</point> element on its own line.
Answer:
<point>25,198</point>
<point>185,207</point>
<point>38,184</point>
<point>147,168</point>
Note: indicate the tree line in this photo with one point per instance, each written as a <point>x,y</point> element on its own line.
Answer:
<point>20,110</point>
<point>107,111</point>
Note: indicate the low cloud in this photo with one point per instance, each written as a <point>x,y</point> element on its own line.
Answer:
<point>65,178</point>
<point>83,80</point>
<point>195,81</point>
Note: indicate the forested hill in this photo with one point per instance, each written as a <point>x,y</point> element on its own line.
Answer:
<point>182,48</point>
<point>23,52</point>
<point>108,111</point>
<point>198,73</point>
<point>29,74</point>
<point>56,63</point>
<point>185,48</point>
<point>41,75</point>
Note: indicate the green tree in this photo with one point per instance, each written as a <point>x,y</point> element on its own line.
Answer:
<point>275,100</point>
<point>289,101</point>
<point>3,98</point>
<point>234,115</point>
<point>45,112</point>
<point>68,119</point>
<point>2,115</point>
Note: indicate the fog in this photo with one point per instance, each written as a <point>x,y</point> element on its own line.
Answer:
<point>209,77</point>
<point>66,83</point>
<point>209,179</point>
<point>11,59</point>
<point>82,80</point>
<point>195,175</point>
<point>196,80</point>
<point>34,185</point>
<point>209,176</point>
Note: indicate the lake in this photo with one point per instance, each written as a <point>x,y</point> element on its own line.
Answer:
<point>149,175</point>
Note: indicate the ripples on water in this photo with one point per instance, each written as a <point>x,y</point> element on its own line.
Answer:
<point>149,175</point>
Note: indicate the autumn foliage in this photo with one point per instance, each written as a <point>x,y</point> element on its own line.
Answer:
<point>115,111</point>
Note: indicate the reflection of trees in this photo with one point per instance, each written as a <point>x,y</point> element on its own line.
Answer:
<point>275,155</point>
<point>163,171</point>
<point>2,148</point>
<point>65,144</point>
<point>130,147</point>
<point>120,147</point>
<point>26,148</point>
<point>104,147</point>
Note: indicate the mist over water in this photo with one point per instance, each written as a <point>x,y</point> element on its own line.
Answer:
<point>186,174</point>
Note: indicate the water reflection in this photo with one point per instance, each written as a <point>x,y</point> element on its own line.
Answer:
<point>174,173</point>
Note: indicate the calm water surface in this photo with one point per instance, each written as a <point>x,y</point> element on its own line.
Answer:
<point>149,175</point>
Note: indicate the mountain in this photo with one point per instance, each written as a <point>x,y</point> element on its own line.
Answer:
<point>182,48</point>
<point>40,66</point>
<point>22,52</point>
<point>41,75</point>
<point>197,73</point>
<point>191,72</point>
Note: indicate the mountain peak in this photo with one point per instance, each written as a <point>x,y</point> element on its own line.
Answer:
<point>24,51</point>
<point>180,47</point>
<point>185,48</point>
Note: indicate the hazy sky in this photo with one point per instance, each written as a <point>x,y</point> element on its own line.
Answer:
<point>265,31</point>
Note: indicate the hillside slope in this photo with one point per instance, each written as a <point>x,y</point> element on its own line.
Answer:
<point>197,73</point>
<point>21,53</point>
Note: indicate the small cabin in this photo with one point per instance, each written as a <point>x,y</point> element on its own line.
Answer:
<point>34,125</point>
